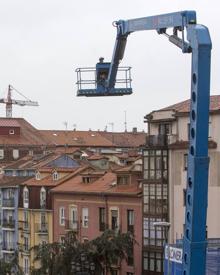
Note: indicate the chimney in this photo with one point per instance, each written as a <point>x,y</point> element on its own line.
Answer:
<point>134,130</point>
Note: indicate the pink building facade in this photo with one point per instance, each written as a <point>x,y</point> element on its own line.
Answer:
<point>90,208</point>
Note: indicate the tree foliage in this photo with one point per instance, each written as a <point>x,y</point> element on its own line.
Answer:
<point>106,251</point>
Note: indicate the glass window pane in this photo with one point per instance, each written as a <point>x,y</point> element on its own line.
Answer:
<point>152,165</point>
<point>146,163</point>
<point>151,264</point>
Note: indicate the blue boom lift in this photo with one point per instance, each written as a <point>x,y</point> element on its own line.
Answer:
<point>198,43</point>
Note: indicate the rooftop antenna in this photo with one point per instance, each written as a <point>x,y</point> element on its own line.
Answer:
<point>125,123</point>
<point>112,124</point>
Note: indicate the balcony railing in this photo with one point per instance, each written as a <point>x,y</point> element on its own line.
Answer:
<point>156,140</point>
<point>71,225</point>
<point>41,228</point>
<point>102,226</point>
<point>8,202</point>
<point>23,226</point>
<point>131,228</point>
<point>8,246</point>
<point>24,248</point>
<point>8,223</point>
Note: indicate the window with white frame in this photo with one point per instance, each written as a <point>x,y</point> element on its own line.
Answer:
<point>25,197</point>
<point>43,197</point>
<point>85,217</point>
<point>15,153</point>
<point>73,218</point>
<point>62,215</point>
<point>114,218</point>
<point>55,176</point>
<point>26,266</point>
<point>37,176</point>
<point>1,153</point>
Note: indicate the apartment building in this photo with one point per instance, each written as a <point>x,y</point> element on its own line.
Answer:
<point>164,184</point>
<point>9,194</point>
<point>35,213</point>
<point>94,201</point>
<point>19,138</point>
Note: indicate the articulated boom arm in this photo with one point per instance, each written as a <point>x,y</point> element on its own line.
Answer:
<point>199,44</point>
<point>178,21</point>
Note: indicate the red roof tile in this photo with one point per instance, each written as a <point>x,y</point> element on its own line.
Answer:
<point>184,106</point>
<point>105,185</point>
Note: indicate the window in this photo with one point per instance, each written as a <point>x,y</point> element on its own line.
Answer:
<point>123,180</point>
<point>37,176</point>
<point>184,197</point>
<point>155,164</point>
<point>31,152</point>
<point>85,217</point>
<point>62,216</point>
<point>130,221</point>
<point>11,132</point>
<point>25,219</point>
<point>131,257</point>
<point>43,225</point>
<point>185,161</point>
<point>15,153</point>
<point>55,176</point>
<point>26,243</point>
<point>102,219</point>
<point>114,219</point>
<point>26,266</point>
<point>86,179</point>
<point>1,154</point>
<point>43,197</point>
<point>164,129</point>
<point>153,261</point>
<point>73,218</point>
<point>25,197</point>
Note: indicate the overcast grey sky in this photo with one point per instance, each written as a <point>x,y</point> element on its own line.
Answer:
<point>44,41</point>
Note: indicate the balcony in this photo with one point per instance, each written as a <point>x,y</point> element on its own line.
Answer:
<point>8,202</point>
<point>8,223</point>
<point>8,247</point>
<point>156,140</point>
<point>24,248</point>
<point>23,226</point>
<point>41,228</point>
<point>71,225</point>
<point>102,226</point>
<point>131,228</point>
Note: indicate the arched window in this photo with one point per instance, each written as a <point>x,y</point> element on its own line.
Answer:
<point>43,197</point>
<point>26,197</point>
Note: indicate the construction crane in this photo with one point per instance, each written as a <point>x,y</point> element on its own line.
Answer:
<point>198,43</point>
<point>9,101</point>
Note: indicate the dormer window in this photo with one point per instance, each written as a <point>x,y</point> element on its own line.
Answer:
<point>86,179</point>
<point>123,180</point>
<point>55,176</point>
<point>11,132</point>
<point>26,197</point>
<point>43,197</point>
<point>37,176</point>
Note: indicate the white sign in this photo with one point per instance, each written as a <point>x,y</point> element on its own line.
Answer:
<point>173,254</point>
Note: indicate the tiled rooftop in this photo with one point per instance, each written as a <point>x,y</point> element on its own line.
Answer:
<point>184,106</point>
<point>105,185</point>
